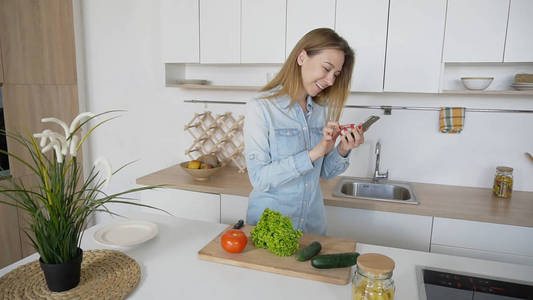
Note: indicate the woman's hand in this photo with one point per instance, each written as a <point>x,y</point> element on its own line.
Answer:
<point>329,135</point>
<point>349,142</point>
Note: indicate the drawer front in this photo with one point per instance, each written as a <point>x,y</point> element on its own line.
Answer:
<point>184,204</point>
<point>481,254</point>
<point>515,240</point>
<point>380,228</point>
<point>232,208</point>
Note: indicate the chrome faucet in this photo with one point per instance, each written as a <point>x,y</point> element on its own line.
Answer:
<point>377,174</point>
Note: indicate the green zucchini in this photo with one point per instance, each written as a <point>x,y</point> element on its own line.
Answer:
<point>338,260</point>
<point>308,252</point>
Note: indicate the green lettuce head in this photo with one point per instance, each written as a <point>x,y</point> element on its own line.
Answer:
<point>276,233</point>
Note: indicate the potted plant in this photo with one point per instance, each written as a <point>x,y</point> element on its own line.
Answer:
<point>62,201</point>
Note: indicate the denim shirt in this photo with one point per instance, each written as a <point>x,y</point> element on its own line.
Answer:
<point>277,141</point>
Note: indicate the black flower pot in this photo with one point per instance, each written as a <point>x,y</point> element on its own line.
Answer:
<point>63,277</point>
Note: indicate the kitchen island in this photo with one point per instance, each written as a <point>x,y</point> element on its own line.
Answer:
<point>171,269</point>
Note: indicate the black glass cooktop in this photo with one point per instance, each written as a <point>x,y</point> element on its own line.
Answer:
<point>441,285</point>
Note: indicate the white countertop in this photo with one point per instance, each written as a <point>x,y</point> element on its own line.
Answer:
<point>171,268</point>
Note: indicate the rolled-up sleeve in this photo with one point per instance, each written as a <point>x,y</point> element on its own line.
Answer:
<point>334,164</point>
<point>265,173</point>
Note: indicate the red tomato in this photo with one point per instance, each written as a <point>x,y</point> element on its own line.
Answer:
<point>234,240</point>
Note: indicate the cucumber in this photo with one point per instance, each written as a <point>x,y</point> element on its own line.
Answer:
<point>308,252</point>
<point>339,260</point>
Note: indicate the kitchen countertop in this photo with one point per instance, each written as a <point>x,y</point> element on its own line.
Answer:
<point>171,269</point>
<point>446,201</point>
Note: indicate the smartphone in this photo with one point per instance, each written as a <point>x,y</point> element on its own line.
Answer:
<point>364,126</point>
<point>371,120</point>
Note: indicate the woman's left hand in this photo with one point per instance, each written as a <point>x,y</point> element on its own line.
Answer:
<point>349,141</point>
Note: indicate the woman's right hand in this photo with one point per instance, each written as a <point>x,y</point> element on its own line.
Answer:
<point>329,135</point>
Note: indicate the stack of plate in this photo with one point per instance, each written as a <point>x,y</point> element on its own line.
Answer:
<point>523,86</point>
<point>523,82</point>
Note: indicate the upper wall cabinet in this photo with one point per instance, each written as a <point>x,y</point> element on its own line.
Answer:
<point>263,31</point>
<point>414,45</point>
<point>220,31</point>
<point>37,40</point>
<point>363,23</point>
<point>475,30</point>
<point>305,15</point>
<point>519,45</point>
<point>180,31</point>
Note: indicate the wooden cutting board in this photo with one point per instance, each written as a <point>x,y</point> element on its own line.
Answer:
<point>264,260</point>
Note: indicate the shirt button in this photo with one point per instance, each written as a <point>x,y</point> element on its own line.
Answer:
<point>305,128</point>
<point>302,220</point>
<point>305,202</point>
<point>307,185</point>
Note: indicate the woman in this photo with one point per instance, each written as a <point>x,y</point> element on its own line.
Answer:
<point>291,129</point>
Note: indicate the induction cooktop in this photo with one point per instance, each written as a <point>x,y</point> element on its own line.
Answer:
<point>440,284</point>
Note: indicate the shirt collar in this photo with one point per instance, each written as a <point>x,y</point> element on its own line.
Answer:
<point>310,104</point>
<point>284,102</point>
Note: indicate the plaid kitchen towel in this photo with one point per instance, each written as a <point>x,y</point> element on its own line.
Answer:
<point>451,119</point>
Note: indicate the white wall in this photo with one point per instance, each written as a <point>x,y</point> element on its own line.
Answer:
<point>124,72</point>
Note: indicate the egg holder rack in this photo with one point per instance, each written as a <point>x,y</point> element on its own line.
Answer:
<point>220,135</point>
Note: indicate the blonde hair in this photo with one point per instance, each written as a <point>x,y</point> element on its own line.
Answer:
<point>290,76</point>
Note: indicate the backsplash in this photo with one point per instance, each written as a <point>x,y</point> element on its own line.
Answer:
<point>413,149</point>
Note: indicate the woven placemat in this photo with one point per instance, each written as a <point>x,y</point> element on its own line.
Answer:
<point>105,274</point>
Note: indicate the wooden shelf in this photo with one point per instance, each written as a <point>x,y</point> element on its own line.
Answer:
<point>257,88</point>
<point>500,92</point>
<point>214,87</point>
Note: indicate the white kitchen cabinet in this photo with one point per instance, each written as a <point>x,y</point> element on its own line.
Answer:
<point>481,254</point>
<point>185,204</point>
<point>519,44</point>
<point>363,23</point>
<point>414,46</point>
<point>305,15</point>
<point>263,31</point>
<point>179,27</point>
<point>220,31</point>
<point>380,228</point>
<point>475,30</point>
<point>482,240</point>
<point>232,208</point>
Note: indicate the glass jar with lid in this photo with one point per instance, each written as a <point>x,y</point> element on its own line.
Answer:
<point>503,182</point>
<point>373,278</point>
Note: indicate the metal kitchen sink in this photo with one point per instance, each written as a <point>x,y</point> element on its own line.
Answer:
<point>382,190</point>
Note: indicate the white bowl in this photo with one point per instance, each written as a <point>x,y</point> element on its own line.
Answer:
<point>476,83</point>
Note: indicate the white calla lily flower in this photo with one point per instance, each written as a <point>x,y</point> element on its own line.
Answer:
<point>56,141</point>
<point>107,167</point>
<point>57,121</point>
<point>43,136</point>
<point>77,120</point>
<point>61,140</point>
<point>57,148</point>
<point>62,145</point>
<point>73,145</point>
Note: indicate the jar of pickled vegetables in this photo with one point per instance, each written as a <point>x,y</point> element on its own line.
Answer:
<point>373,278</point>
<point>503,182</point>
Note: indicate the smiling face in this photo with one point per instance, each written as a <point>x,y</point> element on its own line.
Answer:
<point>320,70</point>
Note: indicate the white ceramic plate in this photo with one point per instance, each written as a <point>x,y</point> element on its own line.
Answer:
<point>522,87</point>
<point>126,234</point>
<point>192,81</point>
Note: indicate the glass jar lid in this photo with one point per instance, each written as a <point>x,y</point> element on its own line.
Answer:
<point>504,169</point>
<point>375,264</point>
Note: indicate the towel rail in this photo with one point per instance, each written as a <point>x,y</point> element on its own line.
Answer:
<point>386,108</point>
